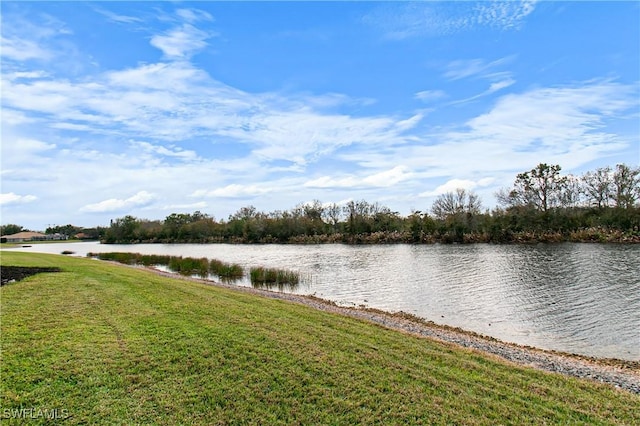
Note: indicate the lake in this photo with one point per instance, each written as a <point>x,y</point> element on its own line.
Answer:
<point>579,298</point>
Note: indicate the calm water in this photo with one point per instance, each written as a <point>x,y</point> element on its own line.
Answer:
<point>582,298</point>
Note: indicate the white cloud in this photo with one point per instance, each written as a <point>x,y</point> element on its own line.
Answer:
<point>331,182</point>
<point>232,191</point>
<point>301,136</point>
<point>388,177</point>
<point>503,14</point>
<point>142,198</point>
<point>176,101</point>
<point>565,125</point>
<point>176,152</point>
<point>430,95</point>
<point>453,184</point>
<point>553,117</point>
<point>194,15</point>
<point>11,198</point>
<point>22,50</point>
<point>25,74</point>
<point>409,123</point>
<point>40,38</point>
<point>382,179</point>
<point>12,117</point>
<point>181,42</point>
<point>499,85</point>
<point>17,151</point>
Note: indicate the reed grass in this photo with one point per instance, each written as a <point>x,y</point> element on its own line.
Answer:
<point>201,267</point>
<point>189,266</point>
<point>273,277</point>
<point>226,271</point>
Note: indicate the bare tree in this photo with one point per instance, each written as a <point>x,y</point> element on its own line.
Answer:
<point>572,192</point>
<point>332,214</point>
<point>456,202</point>
<point>597,186</point>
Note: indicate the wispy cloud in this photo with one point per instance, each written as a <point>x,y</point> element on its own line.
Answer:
<point>433,19</point>
<point>477,68</point>
<point>36,38</point>
<point>555,116</point>
<point>565,125</point>
<point>22,50</point>
<point>114,17</point>
<point>181,42</point>
<point>175,101</point>
<point>194,15</point>
<point>480,69</point>
<point>493,88</point>
<point>430,95</point>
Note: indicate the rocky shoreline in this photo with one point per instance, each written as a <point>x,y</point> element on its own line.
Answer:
<point>621,374</point>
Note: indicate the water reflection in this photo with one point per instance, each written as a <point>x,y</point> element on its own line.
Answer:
<point>581,298</point>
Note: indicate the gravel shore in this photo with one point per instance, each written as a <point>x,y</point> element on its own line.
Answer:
<point>620,374</point>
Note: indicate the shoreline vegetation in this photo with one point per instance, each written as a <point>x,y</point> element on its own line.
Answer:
<point>581,225</point>
<point>542,206</point>
<point>589,235</point>
<point>204,268</point>
<point>115,343</point>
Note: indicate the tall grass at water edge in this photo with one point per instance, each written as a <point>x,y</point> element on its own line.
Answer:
<point>273,277</point>
<point>226,271</point>
<point>201,267</point>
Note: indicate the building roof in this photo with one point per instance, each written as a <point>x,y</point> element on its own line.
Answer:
<point>24,235</point>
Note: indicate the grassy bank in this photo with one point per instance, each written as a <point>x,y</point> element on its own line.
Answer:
<point>103,343</point>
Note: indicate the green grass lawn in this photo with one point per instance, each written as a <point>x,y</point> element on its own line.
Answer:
<point>106,344</point>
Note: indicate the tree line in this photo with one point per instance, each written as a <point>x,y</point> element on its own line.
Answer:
<point>541,205</point>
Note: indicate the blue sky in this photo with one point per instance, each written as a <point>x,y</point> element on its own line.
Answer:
<point>153,108</point>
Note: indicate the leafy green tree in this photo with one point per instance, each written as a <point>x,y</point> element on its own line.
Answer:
<point>357,213</point>
<point>68,230</point>
<point>540,188</point>
<point>420,225</point>
<point>626,186</point>
<point>11,229</point>
<point>123,230</point>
